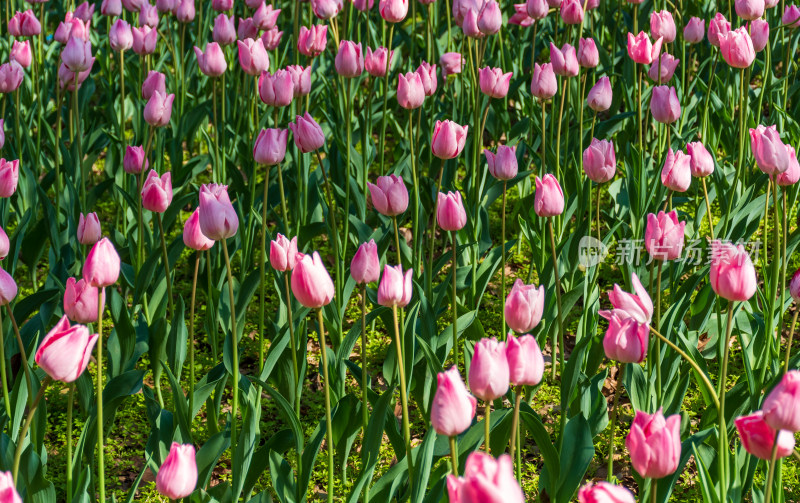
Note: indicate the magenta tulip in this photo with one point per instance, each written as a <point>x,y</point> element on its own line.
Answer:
<point>604,492</point>
<point>395,289</point>
<point>701,163</point>
<point>393,11</point>
<point>626,340</point>
<point>450,212</point>
<point>21,53</point>
<point>276,90</point>
<point>791,16</point>
<point>212,61</point>
<point>376,63</point>
<point>490,19</point>
<point>663,236</point>
<point>89,231</point>
<point>600,161</point>
<point>448,139</point>
<point>144,40</point>
<point>158,110</point>
<point>224,32</point>
<point>782,405</point>
<point>485,480</point>
<point>572,11</point>
<point>193,237</point>
<point>663,68</point>
<point>716,27</point>
<point>636,305</point>
<point>548,199</point>
<point>312,41</point>
<point>311,284</point>
<point>349,61</point>
<point>301,79</point>
<point>222,5</point>
<point>524,307</point>
<point>525,360</point>
<point>768,149</point>
<point>148,15</point>
<point>120,37</point>
<point>759,34</point>
<point>9,176</point>
<point>65,351</point>
<point>80,301</point>
<point>270,146</point>
<point>271,39</point>
<point>791,175</point>
<point>493,82</point>
<point>253,57</point>
<point>453,407</point>
<point>451,63</point>
<point>564,61</point>
<point>544,84</point>
<point>749,9</point>
<point>654,443</point>
<point>537,9</point>
<point>283,254</point>
<point>101,268</point>
<point>157,191</point>
<point>133,162</point>
<point>111,8</point>
<point>218,219</point>
<point>410,93</point>
<point>665,105</point>
<point>758,438</point>
<point>588,57</point>
<point>389,195</point>
<point>662,26</point>
<point>732,274</point>
<point>8,490</point>
<point>488,371</point>
<point>4,244</point>
<point>308,135</point>
<point>326,9</point>
<point>641,50</point>
<point>695,30</point>
<point>677,172</point>
<point>365,266</point>
<point>155,81</point>
<point>186,11</point>
<point>77,55</point>
<point>24,24</point>
<point>737,48</point>
<point>177,476</point>
<point>503,164</point>
<point>11,74</point>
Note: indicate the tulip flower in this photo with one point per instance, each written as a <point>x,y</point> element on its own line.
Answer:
<point>600,161</point>
<point>312,41</point>
<point>158,110</point>
<point>548,199</point>
<point>641,50</point>
<point>677,173</point>
<point>155,81</point>
<point>393,11</point>
<point>148,15</point>
<point>662,26</point>
<point>276,90</point>
<point>89,231</point>
<point>144,40</point>
<point>521,17</point>
<point>604,492</point>
<point>716,27</point>
<point>768,149</point>
<point>389,195</point>
<point>72,26</point>
<point>448,139</point>
<point>490,19</point>
<point>364,5</point>
<point>177,476</point>
<point>349,61</point>
<point>376,63</point>
<point>80,301</point>
<point>654,443</point>
<point>8,490</point>
<point>395,288</point>
<point>185,12</point>
<point>524,307</point>
<point>253,57</point>
<point>588,57</point>
<point>630,305</point>
<point>450,212</point>
<point>120,37</point>
<point>525,360</point>
<point>4,244</point>
<point>365,266</point>
<point>451,63</point>
<point>247,29</point>
<point>308,135</point>
<point>301,79</point>
<point>8,288</point>
<point>410,93</point>
<point>326,9</point>
<point>193,237</point>
<point>85,11</point>
<point>695,30</point>
<point>782,405</point>
<point>157,191</point>
<point>732,274</point>
<point>24,24</point>
<point>132,5</point>
<point>572,11</point>
<point>9,176</point>
<point>212,61</point>
<point>222,5</point>
<point>493,82</point>
<point>167,6</point>
<point>663,68</point>
<point>271,38</point>
<point>759,34</point>
<point>565,62</point>
<point>537,9</point>
<point>503,164</point>
<point>270,146</point>
<point>77,55</point>
<point>21,53</point>
<point>266,17</point>
<point>791,16</point>
<point>701,163</point>
<point>11,74</point>
<point>101,268</point>
<point>626,340</point>
<point>758,438</point>
<point>489,372</point>
<point>453,407</point>
<point>794,286</point>
<point>311,284</point>
<point>544,84</point>
<point>470,25</point>
<point>133,161</point>
<point>749,9</point>
<point>283,254</point>
<point>485,480</point>
<point>111,8</point>
<point>218,219</point>
<point>663,236</point>
<point>737,48</point>
<point>65,351</point>
<point>2,133</point>
<point>224,32</point>
<point>665,105</point>
<point>791,175</point>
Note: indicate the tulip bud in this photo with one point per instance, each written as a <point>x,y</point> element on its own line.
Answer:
<point>662,26</point>
<point>77,55</point>
<point>525,360</point>
<point>588,57</point>
<point>488,371</point>
<point>157,192</point>
<point>493,82</point>
<point>450,213</point>
<point>222,5</point>
<point>637,305</point>
<point>65,351</point>
<point>395,288</point>
<point>654,443</point>
<point>158,110</point>
<point>736,48</point>
<point>544,84</point>
<point>21,53</point>
<point>376,63</point>
<point>218,219</point>
<point>548,199</point>
<point>270,146</point>
<point>758,438</point>
<point>665,105</point>
<point>626,340</point>
<point>311,42</point>
<point>283,254</point>
<point>490,19</point>
<point>101,268</point>
<point>365,266</point>
<point>448,139</point>
<point>485,479</point>
<point>224,32</point>
<point>600,161</point>
<point>782,405</point>
<point>759,34</point>
<point>349,61</point>
<point>133,162</point>
<point>185,12</point>
<point>308,135</point>
<point>148,15</point>
<point>253,57</point>
<point>193,237</point>
<point>276,90</point>
<point>80,301</point>
<point>701,163</point>
<point>177,476</point>
<point>695,30</point>
<point>716,27</point>
<point>453,407</point>
<point>503,164</point>
<point>389,195</point>
<point>791,175</point>
<point>89,231</point>
<point>470,24</point>
<point>663,236</point>
<point>5,246</point>
<point>120,37</point>
<point>393,11</point>
<point>641,50</point>
<point>791,16</point>
<point>212,61</point>
<point>410,93</point>
<point>144,40</point>
<point>11,74</point>
<point>9,176</point>
<point>663,68</point>
<point>768,149</point>
<point>677,173</point>
<point>155,81</point>
<point>524,307</point>
<point>572,11</point>
<point>564,61</point>
<point>451,63</point>
<point>271,38</point>
<point>537,9</point>
<point>427,73</point>
<point>732,274</point>
<point>311,284</point>
<point>301,79</point>
<point>8,288</point>
<point>111,8</point>
<point>749,9</point>
<point>326,9</point>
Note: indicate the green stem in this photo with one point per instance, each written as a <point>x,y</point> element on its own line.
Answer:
<point>397,241</point>
<point>740,160</point>
<point>544,131</point>
<point>708,208</point>
<point>453,307</point>
<point>558,343</point>
<point>771,473</point>
<point>503,263</point>
<point>165,258</point>
<point>657,353</point>
<point>191,335</point>
<point>23,354</point>
<point>639,102</point>
<point>789,343</point>
<point>101,468</point>
<point>415,217</point>
<point>234,344</point>
<point>216,130</point>
<point>335,228</point>
<point>723,430</point>
<point>487,426</point>
<point>284,211</point>
<point>515,430</point>
<point>24,431</point>
<point>398,341</point>
<point>385,99</point>
<point>614,416</point>
<point>3,375</point>
<point>70,400</point>
<point>453,453</point>
<point>348,167</point>
<point>328,422</point>
<point>262,272</point>
<point>293,342</point>
<point>364,376</point>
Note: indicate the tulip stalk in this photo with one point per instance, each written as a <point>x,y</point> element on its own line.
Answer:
<point>453,456</point>
<point>415,217</point>
<point>328,422</point>
<point>349,113</point>
<point>364,376</point>
<point>454,306</point>
<point>70,399</point>
<point>191,334</point>
<point>165,258</point>
<point>657,352</point>
<point>101,468</point>
<point>708,208</point>
<point>740,159</point>
<point>216,131</point>
<point>723,431</point>
<point>558,343</point>
<point>25,366</point>
<point>335,229</point>
<point>704,127</point>
<point>503,258</point>
<point>284,211</point>
<point>24,431</point>
<point>771,472</point>
<point>398,341</point>
<point>262,263</point>
<point>614,416</point>
<point>77,118</point>
<point>386,97</point>
<point>122,103</point>
<point>292,342</point>
<point>234,344</point>
<point>512,444</point>
<point>429,269</point>
<point>3,374</point>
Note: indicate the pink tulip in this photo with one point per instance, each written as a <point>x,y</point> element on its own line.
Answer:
<point>665,105</point>
<point>144,40</point>
<point>791,175</point>
<point>716,27</point>
<point>77,55</point>
<point>132,5</point>
<point>453,407</point>
<point>148,15</point>
<point>737,48</point>
<point>493,82</point>
<point>572,11</point>
<point>80,301</point>
<point>461,7</point>
<point>218,219</point>
<point>193,237</point>
<point>524,307</point>
<point>588,57</point>
<point>212,61</point>
<point>134,160</point>
<point>4,244</point>
<point>24,24</point>
<point>276,89</point>
<point>695,30</point>
<point>365,266</point>
<point>490,19</point>
<point>677,172</point>
<point>89,231</point>
<point>349,61</point>
<point>600,161</point>
<point>155,81</point>
<point>641,50</point>
<point>8,288</point>
<point>663,68</point>
<point>157,192</point>
<point>768,149</point>
<point>451,63</point>
<point>521,17</point>
<point>636,305</point>
<point>111,8</point>
<point>364,5</point>
<point>565,62</point>
<point>410,93</point>
<point>11,74</point>
<point>662,26</point>
<point>9,176</point>
<point>85,11</point>
<point>222,5</point>
<point>395,288</point>
<point>759,34</point>
<point>389,195</point>
<point>158,110</point>
<point>393,11</point>
<point>749,9</point>
<point>485,480</point>
<point>65,351</point>
<point>604,492</point>
<point>758,438</point>
<point>177,476</point>
<point>120,37</point>
<point>544,84</point>
<point>791,16</point>
<point>525,360</point>
<point>21,53</point>
<point>253,57</point>
<point>185,12</point>
<point>8,491</point>
<point>271,39</point>
<point>626,340</point>
<point>326,9</point>
<point>311,284</point>
<point>270,146</point>
<point>548,199</point>
<point>794,285</point>
<point>450,213</point>
<point>311,42</point>
<point>488,372</point>
<point>654,443</point>
<point>283,254</point>
<point>782,405</point>
<point>167,6</point>
<point>308,135</point>
<point>470,24</point>
<point>701,163</point>
<point>376,63</point>
<point>101,268</point>
<point>663,236</point>
<point>537,9</point>
<point>224,31</point>
<point>448,139</point>
<point>2,133</point>
<point>502,165</point>
<point>732,274</point>
<point>301,79</point>
<point>72,26</point>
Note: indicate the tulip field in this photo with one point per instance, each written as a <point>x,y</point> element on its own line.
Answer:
<point>465,251</point>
